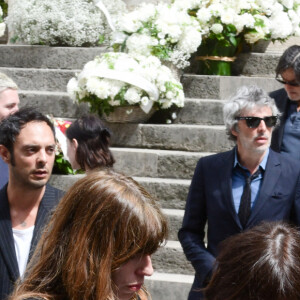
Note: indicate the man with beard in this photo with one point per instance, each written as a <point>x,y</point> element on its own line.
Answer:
<point>27,145</point>
<point>9,104</point>
<point>286,138</point>
<point>238,189</point>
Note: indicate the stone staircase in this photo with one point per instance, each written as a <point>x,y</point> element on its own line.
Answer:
<point>161,157</point>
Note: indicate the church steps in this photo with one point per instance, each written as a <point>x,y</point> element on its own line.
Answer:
<point>195,111</point>
<point>221,87</point>
<point>182,137</point>
<point>171,193</point>
<point>195,86</point>
<point>156,162</point>
<point>26,56</point>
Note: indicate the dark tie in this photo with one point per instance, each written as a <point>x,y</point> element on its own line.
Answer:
<point>245,205</point>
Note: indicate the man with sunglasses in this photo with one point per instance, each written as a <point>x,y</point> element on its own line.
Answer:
<point>286,138</point>
<point>238,189</point>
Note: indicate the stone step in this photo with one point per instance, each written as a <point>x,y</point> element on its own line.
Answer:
<point>169,286</point>
<point>198,138</point>
<point>256,64</point>
<point>195,86</point>
<point>171,193</point>
<point>156,163</point>
<point>58,104</point>
<point>195,111</point>
<point>26,56</point>
<point>222,87</point>
<point>175,217</point>
<point>201,111</point>
<point>53,80</point>
<point>171,259</point>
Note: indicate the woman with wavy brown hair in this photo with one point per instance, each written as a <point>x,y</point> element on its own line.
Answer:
<point>88,142</point>
<point>262,263</point>
<point>98,243</point>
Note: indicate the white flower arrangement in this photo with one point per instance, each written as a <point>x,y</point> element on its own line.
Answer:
<point>121,79</point>
<point>252,20</point>
<point>60,22</point>
<point>2,24</point>
<point>161,30</point>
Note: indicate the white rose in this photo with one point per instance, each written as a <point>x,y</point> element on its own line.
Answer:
<point>72,88</point>
<point>132,96</point>
<point>227,16</point>
<point>216,28</point>
<point>145,101</point>
<point>2,28</point>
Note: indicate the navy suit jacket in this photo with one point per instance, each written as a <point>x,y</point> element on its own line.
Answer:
<point>9,271</point>
<point>3,173</point>
<point>210,200</point>
<point>282,102</point>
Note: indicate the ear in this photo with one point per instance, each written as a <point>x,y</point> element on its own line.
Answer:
<point>234,132</point>
<point>75,143</point>
<point>4,154</point>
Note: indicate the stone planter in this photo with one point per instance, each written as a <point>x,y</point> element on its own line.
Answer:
<point>128,114</point>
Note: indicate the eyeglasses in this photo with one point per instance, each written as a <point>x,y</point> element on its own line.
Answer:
<point>253,122</point>
<point>291,83</point>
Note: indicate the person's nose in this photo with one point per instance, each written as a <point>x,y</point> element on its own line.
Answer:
<point>145,266</point>
<point>15,109</point>
<point>42,157</point>
<point>262,126</point>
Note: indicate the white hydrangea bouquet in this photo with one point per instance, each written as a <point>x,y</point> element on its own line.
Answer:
<point>121,80</point>
<point>227,24</point>
<point>161,30</point>
<point>2,24</point>
<point>61,22</point>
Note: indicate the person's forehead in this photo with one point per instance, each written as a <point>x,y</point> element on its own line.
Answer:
<point>37,132</point>
<point>9,95</point>
<point>256,110</point>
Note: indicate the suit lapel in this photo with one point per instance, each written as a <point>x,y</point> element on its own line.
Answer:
<point>41,218</point>
<point>271,176</point>
<point>225,177</point>
<point>7,246</point>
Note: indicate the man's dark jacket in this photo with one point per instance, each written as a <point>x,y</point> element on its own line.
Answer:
<point>210,201</point>
<point>282,101</point>
<point>9,271</point>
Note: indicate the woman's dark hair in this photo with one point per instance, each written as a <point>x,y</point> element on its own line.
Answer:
<point>93,142</point>
<point>290,59</point>
<point>261,263</point>
<point>104,220</point>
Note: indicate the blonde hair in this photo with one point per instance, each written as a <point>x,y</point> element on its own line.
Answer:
<point>7,83</point>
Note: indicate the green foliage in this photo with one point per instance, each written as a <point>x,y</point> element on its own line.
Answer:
<point>4,6</point>
<point>61,165</point>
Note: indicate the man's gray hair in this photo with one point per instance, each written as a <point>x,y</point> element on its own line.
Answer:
<point>6,83</point>
<point>245,99</point>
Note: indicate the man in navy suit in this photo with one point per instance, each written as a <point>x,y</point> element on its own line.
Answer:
<point>236,190</point>
<point>9,104</point>
<point>27,145</point>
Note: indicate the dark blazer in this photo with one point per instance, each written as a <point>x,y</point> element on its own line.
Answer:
<point>282,101</point>
<point>3,173</point>
<point>9,271</point>
<point>210,200</point>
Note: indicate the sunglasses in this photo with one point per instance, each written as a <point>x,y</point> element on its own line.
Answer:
<point>291,83</point>
<point>253,122</point>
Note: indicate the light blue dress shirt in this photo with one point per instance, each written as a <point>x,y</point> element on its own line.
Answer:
<point>238,182</point>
